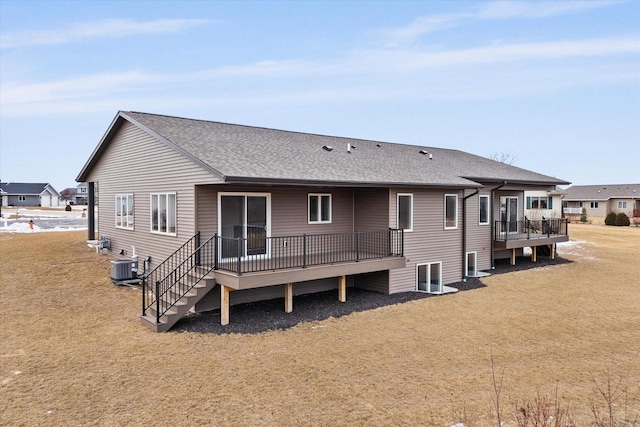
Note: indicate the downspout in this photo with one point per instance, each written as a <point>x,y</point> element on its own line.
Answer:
<point>464,233</point>
<point>493,223</point>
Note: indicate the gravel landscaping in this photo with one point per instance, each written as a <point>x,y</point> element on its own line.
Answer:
<point>268,315</point>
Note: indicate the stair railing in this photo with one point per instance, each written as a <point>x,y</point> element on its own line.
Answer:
<point>166,284</point>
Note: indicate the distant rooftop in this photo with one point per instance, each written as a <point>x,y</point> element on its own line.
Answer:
<point>602,192</point>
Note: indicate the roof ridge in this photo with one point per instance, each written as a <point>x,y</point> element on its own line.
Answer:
<point>294,131</point>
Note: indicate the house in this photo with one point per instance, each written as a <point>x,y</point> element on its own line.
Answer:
<point>77,195</point>
<point>218,214</point>
<point>599,200</point>
<point>543,204</point>
<point>29,194</point>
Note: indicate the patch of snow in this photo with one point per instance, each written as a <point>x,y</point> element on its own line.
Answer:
<point>575,247</point>
<point>22,227</point>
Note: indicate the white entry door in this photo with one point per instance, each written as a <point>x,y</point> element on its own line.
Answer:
<point>509,214</point>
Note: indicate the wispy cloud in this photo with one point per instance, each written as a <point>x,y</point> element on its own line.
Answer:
<point>372,75</point>
<point>536,9</point>
<point>489,11</point>
<point>82,32</point>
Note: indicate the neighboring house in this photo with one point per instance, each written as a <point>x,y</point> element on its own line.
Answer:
<point>543,204</point>
<point>77,195</point>
<point>28,194</point>
<point>599,200</point>
<point>223,214</point>
<point>4,197</point>
<point>82,197</point>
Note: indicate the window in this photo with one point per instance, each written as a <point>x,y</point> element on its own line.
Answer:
<point>450,211</point>
<point>22,198</point>
<point>319,208</point>
<point>163,213</point>
<point>622,205</point>
<point>542,202</point>
<point>484,210</point>
<point>405,212</point>
<point>429,277</point>
<point>594,205</point>
<point>124,211</point>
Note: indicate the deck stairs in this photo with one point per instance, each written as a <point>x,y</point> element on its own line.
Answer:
<point>180,307</point>
<point>173,288</point>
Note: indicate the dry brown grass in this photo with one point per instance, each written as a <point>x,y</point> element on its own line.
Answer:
<point>73,353</point>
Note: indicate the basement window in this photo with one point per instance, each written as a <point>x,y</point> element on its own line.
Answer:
<point>429,277</point>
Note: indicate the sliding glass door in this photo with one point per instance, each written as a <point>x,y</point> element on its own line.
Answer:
<point>244,217</point>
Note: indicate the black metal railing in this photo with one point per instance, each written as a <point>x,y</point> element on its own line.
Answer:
<point>163,286</point>
<point>246,255</point>
<point>170,281</point>
<point>530,229</point>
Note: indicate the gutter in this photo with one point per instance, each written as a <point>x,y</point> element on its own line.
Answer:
<point>464,233</point>
<point>493,223</point>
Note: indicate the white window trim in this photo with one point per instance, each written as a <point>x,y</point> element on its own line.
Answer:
<point>445,212</point>
<point>466,264</point>
<point>410,195</point>
<point>319,196</point>
<point>429,264</point>
<point>162,233</point>
<point>622,204</point>
<point>488,210</point>
<point>120,196</point>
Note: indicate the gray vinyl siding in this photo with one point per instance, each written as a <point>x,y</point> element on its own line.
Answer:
<point>136,163</point>
<point>371,211</point>
<point>479,237</point>
<point>289,214</point>
<point>32,200</point>
<point>377,281</point>
<point>428,242</point>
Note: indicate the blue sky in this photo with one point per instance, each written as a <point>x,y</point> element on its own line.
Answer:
<point>556,85</point>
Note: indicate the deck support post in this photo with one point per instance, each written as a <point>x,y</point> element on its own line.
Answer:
<point>288,297</point>
<point>513,256</point>
<point>342,289</point>
<point>224,305</point>
<point>553,251</point>
<point>534,254</point>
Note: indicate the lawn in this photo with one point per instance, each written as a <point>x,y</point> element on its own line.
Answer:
<point>72,351</point>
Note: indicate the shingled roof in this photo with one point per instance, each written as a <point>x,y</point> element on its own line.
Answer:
<point>602,192</point>
<point>239,153</point>
<point>25,188</point>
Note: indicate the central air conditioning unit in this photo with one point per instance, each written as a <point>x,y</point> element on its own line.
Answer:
<point>123,269</point>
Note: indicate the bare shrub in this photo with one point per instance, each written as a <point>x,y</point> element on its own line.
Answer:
<point>497,390</point>
<point>614,392</point>
<point>543,411</point>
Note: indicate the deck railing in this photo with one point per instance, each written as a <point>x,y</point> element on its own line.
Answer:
<point>530,229</point>
<point>247,255</point>
<point>170,281</point>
